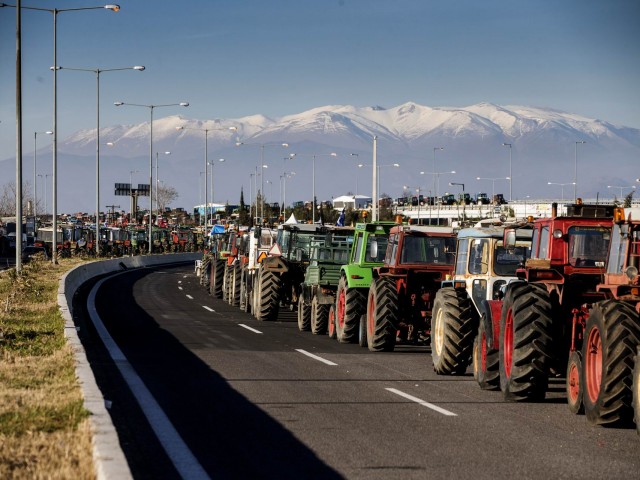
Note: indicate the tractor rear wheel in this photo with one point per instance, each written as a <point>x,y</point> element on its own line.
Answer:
<point>319,316</point>
<point>332,321</point>
<point>453,328</point>
<point>217,280</point>
<point>611,339</point>
<point>575,387</point>
<point>382,315</point>
<point>526,342</point>
<point>486,368</point>
<point>228,281</point>
<point>635,384</point>
<point>236,276</point>
<point>269,300</point>
<point>304,315</point>
<point>350,305</point>
<point>245,301</point>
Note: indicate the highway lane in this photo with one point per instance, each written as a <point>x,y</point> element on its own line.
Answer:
<point>251,405</point>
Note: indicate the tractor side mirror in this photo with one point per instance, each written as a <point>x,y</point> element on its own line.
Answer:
<point>509,240</point>
<point>257,231</point>
<point>373,250</point>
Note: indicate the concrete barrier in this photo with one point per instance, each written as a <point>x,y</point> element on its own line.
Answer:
<point>109,460</point>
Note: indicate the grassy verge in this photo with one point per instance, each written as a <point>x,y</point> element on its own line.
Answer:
<point>44,429</point>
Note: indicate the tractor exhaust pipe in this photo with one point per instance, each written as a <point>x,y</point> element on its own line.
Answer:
<point>554,210</point>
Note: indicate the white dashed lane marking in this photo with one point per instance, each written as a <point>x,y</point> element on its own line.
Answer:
<point>249,328</point>
<point>316,357</point>
<point>419,401</point>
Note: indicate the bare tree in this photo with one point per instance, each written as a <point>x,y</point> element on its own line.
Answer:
<point>165,194</point>
<point>8,200</point>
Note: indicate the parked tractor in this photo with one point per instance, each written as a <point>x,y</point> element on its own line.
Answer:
<point>321,278</point>
<point>219,244</point>
<point>402,291</point>
<point>603,375</point>
<point>282,272</point>
<point>543,316</point>
<point>355,280</point>
<point>253,249</point>
<point>462,317</point>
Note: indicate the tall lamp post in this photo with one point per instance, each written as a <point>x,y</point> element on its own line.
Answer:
<point>211,164</point>
<point>378,167</point>
<point>55,12</point>
<point>35,153</point>
<point>313,176</point>
<point>262,147</point>
<point>98,71</point>
<point>436,182</point>
<point>435,149</point>
<point>151,108</point>
<point>575,172</point>
<point>284,177</point>
<point>206,161</point>
<point>561,185</point>
<point>510,170</point>
<point>158,180</point>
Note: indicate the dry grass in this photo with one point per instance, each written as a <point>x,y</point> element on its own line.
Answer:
<point>44,428</point>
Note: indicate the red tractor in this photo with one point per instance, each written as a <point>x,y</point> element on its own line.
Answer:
<point>605,379</point>
<point>402,291</point>
<point>543,316</point>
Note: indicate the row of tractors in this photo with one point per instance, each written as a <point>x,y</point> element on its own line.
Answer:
<point>77,239</point>
<point>518,303</point>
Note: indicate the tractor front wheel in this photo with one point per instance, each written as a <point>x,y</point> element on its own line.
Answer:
<point>332,321</point>
<point>319,316</point>
<point>304,316</point>
<point>486,361</point>
<point>575,387</point>
<point>350,305</point>
<point>453,328</point>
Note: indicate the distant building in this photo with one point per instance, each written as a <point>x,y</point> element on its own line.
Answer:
<point>351,201</point>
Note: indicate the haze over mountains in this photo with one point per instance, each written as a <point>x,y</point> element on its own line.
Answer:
<point>543,147</point>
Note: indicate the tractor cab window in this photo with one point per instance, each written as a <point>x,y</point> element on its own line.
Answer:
<point>461,263</point>
<point>541,242</point>
<point>507,260</point>
<point>619,242</point>
<point>479,257</point>
<point>358,250</point>
<point>382,241</point>
<point>392,250</point>
<point>588,246</point>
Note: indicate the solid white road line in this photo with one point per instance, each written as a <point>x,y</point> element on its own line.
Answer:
<point>422,402</point>
<point>315,357</point>
<point>249,328</point>
<point>189,297</point>
<point>182,458</point>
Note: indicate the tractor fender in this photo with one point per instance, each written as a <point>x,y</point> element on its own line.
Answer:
<point>490,313</point>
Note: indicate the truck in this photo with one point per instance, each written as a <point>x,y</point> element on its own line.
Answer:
<point>400,299</point>
<point>321,278</point>
<point>355,279</point>
<point>461,332</point>
<point>543,316</point>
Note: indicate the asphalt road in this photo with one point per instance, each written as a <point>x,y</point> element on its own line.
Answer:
<point>247,400</point>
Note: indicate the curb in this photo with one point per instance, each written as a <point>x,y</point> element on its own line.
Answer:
<point>108,457</point>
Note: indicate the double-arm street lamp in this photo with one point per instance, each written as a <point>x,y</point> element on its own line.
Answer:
<point>151,109</point>
<point>313,176</point>
<point>283,179</point>
<point>262,147</point>
<point>35,173</point>
<point>622,187</point>
<point>378,167</point>
<point>206,160</point>
<point>98,71</point>
<point>493,183</point>
<point>561,185</point>
<point>575,171</point>
<point>54,12</point>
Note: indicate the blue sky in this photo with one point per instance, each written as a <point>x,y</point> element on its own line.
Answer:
<point>277,57</point>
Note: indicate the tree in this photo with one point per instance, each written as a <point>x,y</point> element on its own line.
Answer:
<point>164,195</point>
<point>243,216</point>
<point>628,199</point>
<point>8,200</point>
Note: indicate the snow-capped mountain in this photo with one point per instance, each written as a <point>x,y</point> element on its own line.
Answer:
<point>543,149</point>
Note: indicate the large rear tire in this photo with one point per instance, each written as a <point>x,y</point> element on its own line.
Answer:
<point>227,284</point>
<point>382,315</point>
<point>350,305</point>
<point>304,315</point>
<point>635,384</point>
<point>453,327</point>
<point>319,316</point>
<point>486,361</point>
<point>245,300</point>
<point>526,342</point>
<point>270,289</point>
<point>217,281</point>
<point>611,339</point>
<point>363,338</point>
<point>236,276</point>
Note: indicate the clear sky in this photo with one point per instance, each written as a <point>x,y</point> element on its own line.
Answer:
<point>275,57</point>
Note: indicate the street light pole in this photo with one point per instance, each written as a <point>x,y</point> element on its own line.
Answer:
<point>493,183</point>
<point>561,185</point>
<point>151,108</point>
<point>575,172</point>
<point>434,169</point>
<point>35,184</point>
<point>510,171</point>
<point>158,180</point>
<point>55,12</point>
<point>313,176</point>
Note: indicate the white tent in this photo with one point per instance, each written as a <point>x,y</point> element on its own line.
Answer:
<point>292,220</point>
